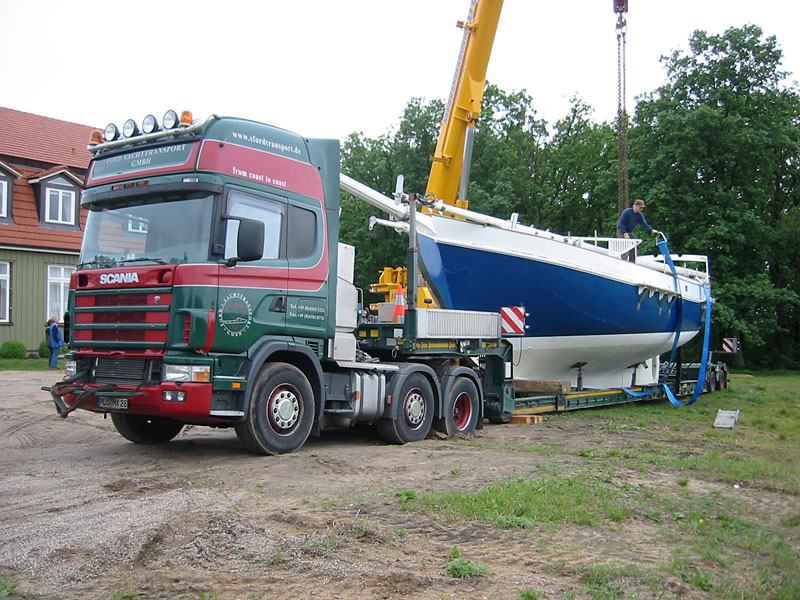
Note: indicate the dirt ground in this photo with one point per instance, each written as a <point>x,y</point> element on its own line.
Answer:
<point>84,513</point>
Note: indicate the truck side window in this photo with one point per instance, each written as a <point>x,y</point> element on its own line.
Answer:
<point>269,212</point>
<point>301,239</point>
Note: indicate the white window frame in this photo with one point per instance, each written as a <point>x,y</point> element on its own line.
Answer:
<point>5,292</point>
<point>58,275</point>
<point>65,217</point>
<point>3,198</point>
<point>137,226</point>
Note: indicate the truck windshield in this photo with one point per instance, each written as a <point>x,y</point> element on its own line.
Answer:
<point>164,232</point>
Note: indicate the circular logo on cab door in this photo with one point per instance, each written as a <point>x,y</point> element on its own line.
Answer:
<point>235,314</point>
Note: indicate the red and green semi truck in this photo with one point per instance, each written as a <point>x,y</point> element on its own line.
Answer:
<point>212,290</point>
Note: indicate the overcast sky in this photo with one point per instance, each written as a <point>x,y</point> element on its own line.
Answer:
<point>326,68</point>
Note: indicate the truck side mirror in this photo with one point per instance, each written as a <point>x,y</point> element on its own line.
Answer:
<point>249,241</point>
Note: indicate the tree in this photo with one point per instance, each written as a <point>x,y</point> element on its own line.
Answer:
<point>716,151</point>
<point>580,173</point>
<point>377,163</point>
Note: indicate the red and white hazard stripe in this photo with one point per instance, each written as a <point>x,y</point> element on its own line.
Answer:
<point>513,320</point>
<point>729,345</point>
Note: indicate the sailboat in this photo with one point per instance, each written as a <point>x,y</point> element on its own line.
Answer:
<point>590,316</point>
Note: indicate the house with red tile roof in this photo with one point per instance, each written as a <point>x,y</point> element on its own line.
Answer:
<point>43,163</point>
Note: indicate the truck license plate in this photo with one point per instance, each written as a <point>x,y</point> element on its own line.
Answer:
<point>115,403</point>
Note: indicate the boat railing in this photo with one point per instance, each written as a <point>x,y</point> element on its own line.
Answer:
<point>614,246</point>
<point>688,265</point>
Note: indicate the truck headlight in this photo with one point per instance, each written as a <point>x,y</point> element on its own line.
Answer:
<point>193,373</point>
<point>70,367</point>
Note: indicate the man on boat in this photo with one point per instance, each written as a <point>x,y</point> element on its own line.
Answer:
<point>630,218</point>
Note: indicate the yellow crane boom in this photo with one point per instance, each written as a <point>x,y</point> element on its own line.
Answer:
<point>450,170</point>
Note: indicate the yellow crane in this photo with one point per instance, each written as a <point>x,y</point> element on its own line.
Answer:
<point>450,162</point>
<point>450,169</point>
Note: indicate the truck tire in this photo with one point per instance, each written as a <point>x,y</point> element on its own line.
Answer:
<point>140,429</point>
<point>723,380</point>
<point>461,408</point>
<point>281,411</point>
<point>414,414</point>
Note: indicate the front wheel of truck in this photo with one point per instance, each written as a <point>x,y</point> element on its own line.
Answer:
<point>281,411</point>
<point>140,429</point>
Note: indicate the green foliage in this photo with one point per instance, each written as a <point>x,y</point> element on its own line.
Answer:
<point>7,587</point>
<point>406,498</point>
<point>463,568</point>
<point>13,349</point>
<point>24,364</point>
<point>519,502</point>
<point>44,349</point>
<point>715,151</point>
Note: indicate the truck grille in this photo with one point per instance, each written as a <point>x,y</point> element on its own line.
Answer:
<point>122,319</point>
<point>126,371</point>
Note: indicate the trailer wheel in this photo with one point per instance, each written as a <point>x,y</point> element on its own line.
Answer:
<point>723,380</point>
<point>712,381</point>
<point>415,413</point>
<point>140,429</point>
<point>281,411</point>
<point>460,408</point>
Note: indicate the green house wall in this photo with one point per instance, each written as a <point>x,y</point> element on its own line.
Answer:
<point>28,299</point>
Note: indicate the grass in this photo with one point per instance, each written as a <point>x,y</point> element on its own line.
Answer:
<point>26,364</point>
<point>519,502</point>
<point>723,502</point>
<point>462,568</point>
<point>7,587</point>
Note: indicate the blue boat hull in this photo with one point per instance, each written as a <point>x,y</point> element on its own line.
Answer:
<point>560,301</point>
<point>583,307</point>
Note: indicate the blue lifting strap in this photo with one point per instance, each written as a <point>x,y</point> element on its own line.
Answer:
<point>701,375</point>
<point>664,247</point>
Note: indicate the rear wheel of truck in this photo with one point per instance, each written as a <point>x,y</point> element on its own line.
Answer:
<point>460,408</point>
<point>712,381</point>
<point>415,413</point>
<point>145,430</point>
<point>281,411</point>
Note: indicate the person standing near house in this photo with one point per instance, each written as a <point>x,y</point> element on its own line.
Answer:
<point>54,341</point>
<point>630,218</point>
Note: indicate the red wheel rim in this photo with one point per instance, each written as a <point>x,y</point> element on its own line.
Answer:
<point>283,409</point>
<point>462,411</point>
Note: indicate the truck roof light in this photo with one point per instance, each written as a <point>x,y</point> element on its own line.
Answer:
<point>186,118</point>
<point>96,137</point>
<point>149,124</point>
<point>170,119</point>
<point>130,128</point>
<point>110,133</point>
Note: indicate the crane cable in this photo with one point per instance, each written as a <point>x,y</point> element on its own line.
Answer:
<point>622,118</point>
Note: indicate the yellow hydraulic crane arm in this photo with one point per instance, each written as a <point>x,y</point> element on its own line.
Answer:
<point>450,169</point>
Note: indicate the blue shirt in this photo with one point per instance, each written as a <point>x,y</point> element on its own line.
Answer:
<point>629,219</point>
<point>56,341</point>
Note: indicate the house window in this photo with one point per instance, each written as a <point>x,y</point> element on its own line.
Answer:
<point>5,292</point>
<point>3,198</point>
<point>59,206</point>
<point>57,290</point>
